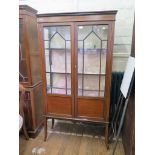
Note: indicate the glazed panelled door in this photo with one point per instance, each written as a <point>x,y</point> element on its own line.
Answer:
<point>75,70</point>
<point>57,46</point>
<point>23,71</point>
<point>91,72</point>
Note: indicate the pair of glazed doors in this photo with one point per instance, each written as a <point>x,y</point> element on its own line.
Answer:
<point>75,60</point>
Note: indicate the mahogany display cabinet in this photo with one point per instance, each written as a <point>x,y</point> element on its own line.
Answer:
<point>76,63</point>
<point>30,70</point>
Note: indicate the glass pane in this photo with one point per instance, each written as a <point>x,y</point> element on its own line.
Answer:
<point>49,32</point>
<point>101,93</point>
<point>83,31</point>
<point>90,85</point>
<point>92,48</point>
<point>68,61</point>
<point>57,41</point>
<point>90,93</point>
<point>46,44</point>
<point>92,62</point>
<point>102,82</point>
<point>103,63</point>
<point>104,45</point>
<point>101,31</point>
<point>47,61</point>
<point>92,42</point>
<point>48,83</point>
<point>64,31</point>
<point>68,91</point>
<point>80,92</point>
<point>58,91</point>
<point>91,82</point>
<point>21,38</point>
<point>59,83</point>
<point>69,84</point>
<point>46,34</point>
<point>80,45</point>
<point>80,82</point>
<point>59,80</point>
<point>23,76</point>
<point>23,71</point>
<point>58,58</point>
<point>68,45</point>
<point>80,61</point>
<point>69,81</point>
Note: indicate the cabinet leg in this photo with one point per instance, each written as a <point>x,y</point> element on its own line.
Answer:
<point>45,128</point>
<point>52,123</point>
<point>25,132</point>
<point>107,136</point>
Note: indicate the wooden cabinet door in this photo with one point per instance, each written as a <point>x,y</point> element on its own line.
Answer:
<point>23,68</point>
<point>58,69</point>
<point>77,69</point>
<point>91,53</point>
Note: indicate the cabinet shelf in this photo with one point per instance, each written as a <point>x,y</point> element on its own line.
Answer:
<point>79,49</point>
<point>58,88</point>
<point>70,89</point>
<point>58,49</point>
<point>58,73</point>
<point>103,74</point>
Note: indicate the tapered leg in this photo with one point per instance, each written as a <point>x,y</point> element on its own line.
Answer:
<point>52,123</point>
<point>107,136</point>
<point>45,128</point>
<point>25,132</point>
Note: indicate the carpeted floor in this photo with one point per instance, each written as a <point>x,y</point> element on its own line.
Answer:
<point>68,138</point>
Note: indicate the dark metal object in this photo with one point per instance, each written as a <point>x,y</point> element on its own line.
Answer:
<point>123,114</point>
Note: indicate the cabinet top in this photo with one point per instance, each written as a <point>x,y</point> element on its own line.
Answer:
<point>110,12</point>
<point>27,8</point>
<point>77,16</point>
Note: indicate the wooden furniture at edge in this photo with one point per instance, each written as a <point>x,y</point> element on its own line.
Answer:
<point>21,110</point>
<point>84,38</point>
<point>29,69</point>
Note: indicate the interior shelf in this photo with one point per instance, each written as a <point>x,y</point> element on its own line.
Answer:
<point>58,73</point>
<point>103,74</point>
<point>79,49</point>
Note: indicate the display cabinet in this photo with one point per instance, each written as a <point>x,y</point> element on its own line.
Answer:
<point>76,56</point>
<point>29,69</point>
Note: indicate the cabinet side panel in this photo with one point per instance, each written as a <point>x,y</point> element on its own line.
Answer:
<point>38,101</point>
<point>34,50</point>
<point>28,111</point>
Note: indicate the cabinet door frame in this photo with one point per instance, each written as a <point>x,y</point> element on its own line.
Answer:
<point>43,67</point>
<point>26,46</point>
<point>106,98</point>
<point>74,84</point>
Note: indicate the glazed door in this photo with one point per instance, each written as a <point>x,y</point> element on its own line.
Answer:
<point>76,69</point>
<point>23,69</point>
<point>91,52</point>
<point>58,66</point>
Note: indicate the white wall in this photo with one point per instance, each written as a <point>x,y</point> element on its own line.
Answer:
<point>123,27</point>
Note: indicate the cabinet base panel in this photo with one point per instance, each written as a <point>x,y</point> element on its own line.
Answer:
<point>34,133</point>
